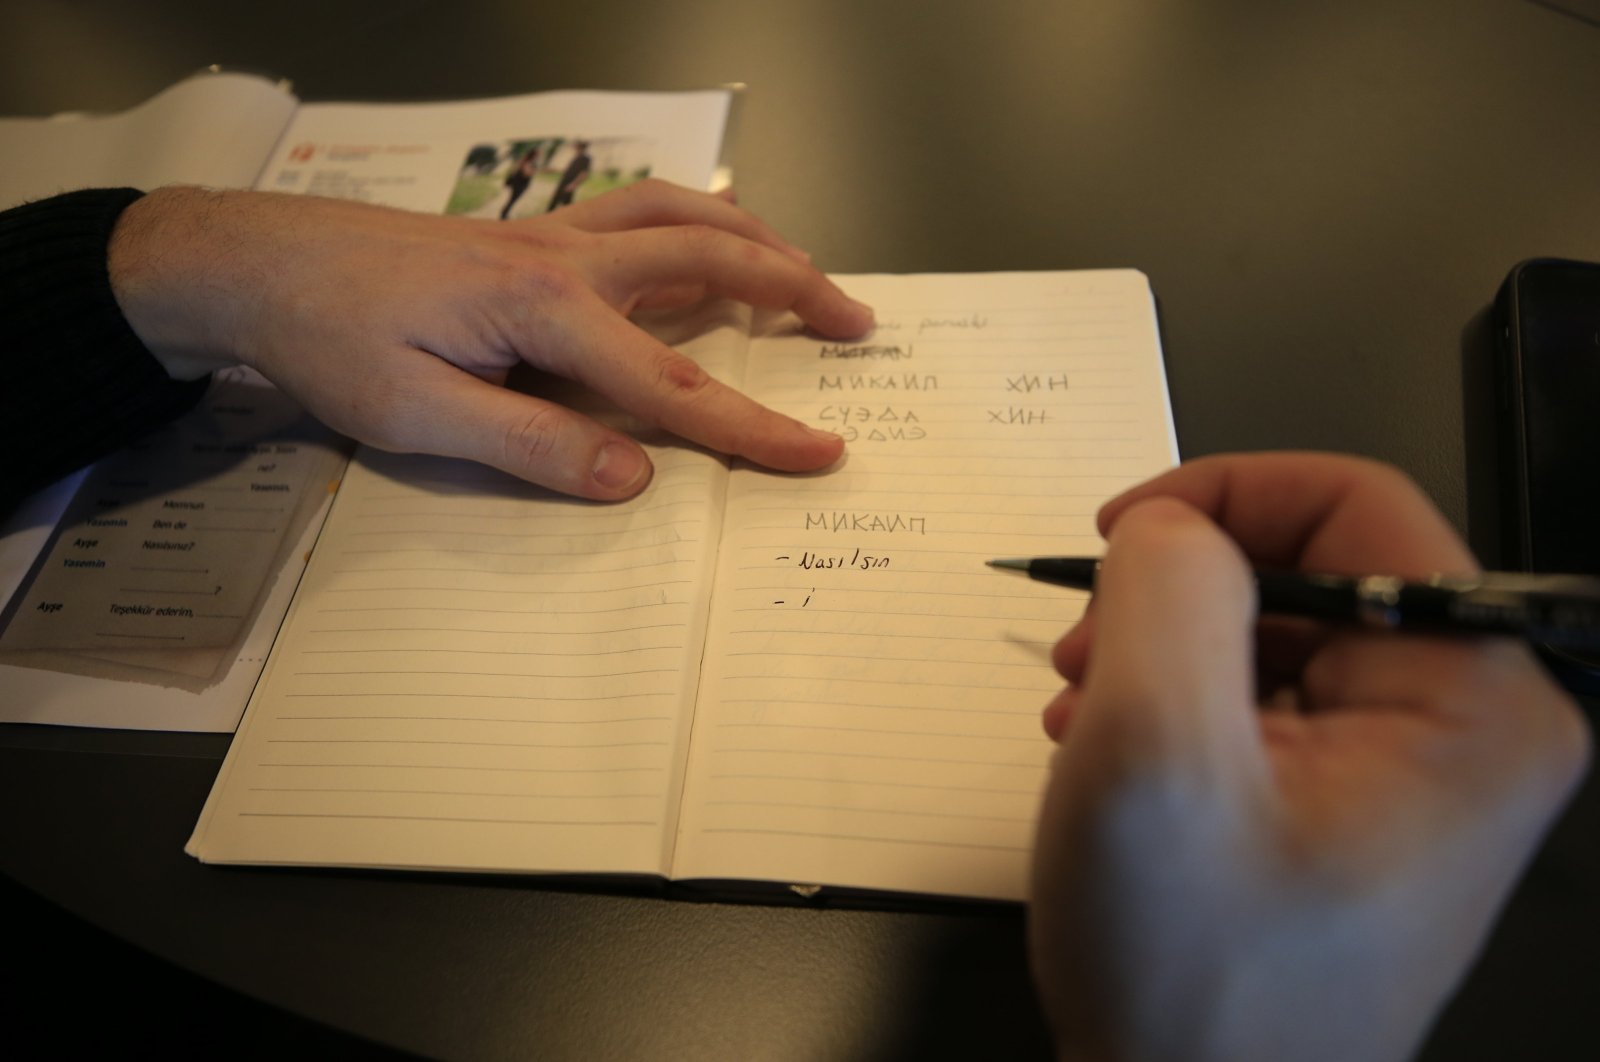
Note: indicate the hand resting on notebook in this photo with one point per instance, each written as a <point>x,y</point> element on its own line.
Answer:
<point>1278,841</point>
<point>397,328</point>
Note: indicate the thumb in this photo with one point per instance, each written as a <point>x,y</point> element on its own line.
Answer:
<point>443,410</point>
<point>1170,677</point>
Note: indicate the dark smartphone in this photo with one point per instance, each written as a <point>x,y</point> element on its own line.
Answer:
<point>1547,330</point>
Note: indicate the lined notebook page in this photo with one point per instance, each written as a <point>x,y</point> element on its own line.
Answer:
<point>869,711</point>
<point>477,674</point>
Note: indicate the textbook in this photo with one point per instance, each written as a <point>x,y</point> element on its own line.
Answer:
<point>739,675</point>
<point>103,632</point>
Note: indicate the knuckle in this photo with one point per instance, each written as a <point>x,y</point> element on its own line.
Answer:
<point>707,243</point>
<point>653,191</point>
<point>698,239</point>
<point>680,379</point>
<point>739,261</point>
<point>1169,527</point>
<point>542,280</point>
<point>533,440</point>
<point>645,203</point>
<point>1390,478</point>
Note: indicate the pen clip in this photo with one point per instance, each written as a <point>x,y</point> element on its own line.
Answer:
<point>1518,583</point>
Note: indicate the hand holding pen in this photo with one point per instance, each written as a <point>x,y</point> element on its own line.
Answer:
<point>1331,815</point>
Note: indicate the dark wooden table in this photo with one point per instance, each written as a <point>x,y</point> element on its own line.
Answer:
<point>1325,197</point>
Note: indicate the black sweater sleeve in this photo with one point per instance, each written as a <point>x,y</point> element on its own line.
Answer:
<point>75,381</point>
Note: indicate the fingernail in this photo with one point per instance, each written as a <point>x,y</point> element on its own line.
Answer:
<point>620,466</point>
<point>818,433</point>
<point>866,311</point>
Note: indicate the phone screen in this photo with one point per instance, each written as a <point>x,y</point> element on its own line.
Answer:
<point>1558,323</point>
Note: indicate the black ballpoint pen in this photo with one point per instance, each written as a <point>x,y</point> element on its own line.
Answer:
<point>1560,610</point>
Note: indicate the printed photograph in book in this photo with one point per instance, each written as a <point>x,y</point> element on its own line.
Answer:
<point>535,175</point>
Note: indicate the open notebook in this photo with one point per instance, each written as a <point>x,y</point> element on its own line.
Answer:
<point>739,674</point>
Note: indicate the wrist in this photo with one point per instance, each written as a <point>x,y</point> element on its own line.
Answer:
<point>174,268</point>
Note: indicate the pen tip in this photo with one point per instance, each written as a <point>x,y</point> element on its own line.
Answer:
<point>1009,564</point>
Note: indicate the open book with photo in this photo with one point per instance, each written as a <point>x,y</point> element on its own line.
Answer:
<point>233,130</point>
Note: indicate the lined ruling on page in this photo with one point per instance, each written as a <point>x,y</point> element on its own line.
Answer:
<point>479,675</point>
<point>869,710</point>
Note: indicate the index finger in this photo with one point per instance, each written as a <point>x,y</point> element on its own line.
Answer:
<point>1319,512</point>
<point>655,383</point>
